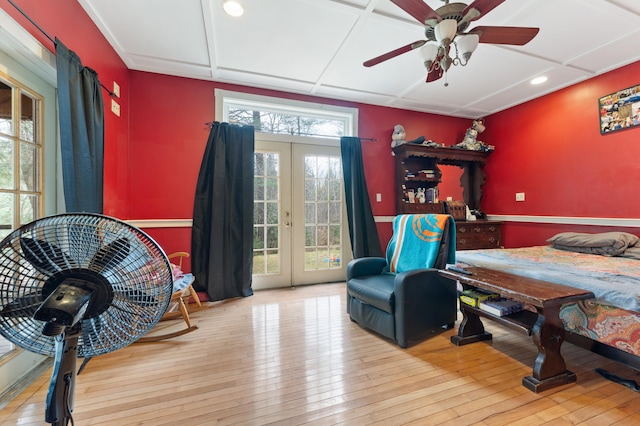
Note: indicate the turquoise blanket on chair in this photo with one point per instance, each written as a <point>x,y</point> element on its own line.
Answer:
<point>416,241</point>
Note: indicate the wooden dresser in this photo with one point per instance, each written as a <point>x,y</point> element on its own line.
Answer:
<point>478,234</point>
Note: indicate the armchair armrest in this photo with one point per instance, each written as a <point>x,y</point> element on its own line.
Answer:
<point>365,266</point>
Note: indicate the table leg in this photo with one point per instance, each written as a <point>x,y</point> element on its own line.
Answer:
<point>471,329</point>
<point>549,369</point>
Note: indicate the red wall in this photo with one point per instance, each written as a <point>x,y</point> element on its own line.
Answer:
<point>552,150</point>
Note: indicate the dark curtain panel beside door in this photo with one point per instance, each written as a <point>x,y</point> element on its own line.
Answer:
<point>222,232</point>
<point>81,110</point>
<point>363,233</point>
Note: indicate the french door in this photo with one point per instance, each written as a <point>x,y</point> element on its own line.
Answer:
<point>300,231</point>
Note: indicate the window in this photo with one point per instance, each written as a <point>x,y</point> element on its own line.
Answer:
<point>20,156</point>
<point>286,117</point>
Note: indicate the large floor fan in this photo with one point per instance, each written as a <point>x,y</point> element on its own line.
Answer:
<point>449,26</point>
<point>79,285</point>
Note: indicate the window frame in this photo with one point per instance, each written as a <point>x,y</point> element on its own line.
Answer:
<point>19,88</point>
<point>225,99</point>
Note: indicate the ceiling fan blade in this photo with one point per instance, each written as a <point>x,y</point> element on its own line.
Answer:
<point>479,8</point>
<point>517,36</point>
<point>434,75</point>
<point>47,258</point>
<point>418,9</point>
<point>110,255</point>
<point>394,53</point>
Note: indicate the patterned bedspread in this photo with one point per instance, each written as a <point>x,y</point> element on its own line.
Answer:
<point>612,318</point>
<point>614,280</point>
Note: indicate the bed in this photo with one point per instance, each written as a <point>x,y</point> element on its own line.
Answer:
<point>607,264</point>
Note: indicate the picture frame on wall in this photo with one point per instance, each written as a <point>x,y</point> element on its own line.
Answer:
<point>619,110</point>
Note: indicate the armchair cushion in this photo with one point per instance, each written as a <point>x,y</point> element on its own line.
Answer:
<point>374,290</point>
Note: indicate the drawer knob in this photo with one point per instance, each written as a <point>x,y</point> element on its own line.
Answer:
<point>492,228</point>
<point>462,230</point>
<point>492,240</point>
<point>477,229</point>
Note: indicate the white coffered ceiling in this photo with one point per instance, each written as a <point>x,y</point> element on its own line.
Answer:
<point>317,47</point>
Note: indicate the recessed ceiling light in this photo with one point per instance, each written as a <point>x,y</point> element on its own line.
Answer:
<point>233,8</point>
<point>539,80</point>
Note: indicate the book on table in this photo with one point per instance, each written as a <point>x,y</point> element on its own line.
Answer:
<point>473,297</point>
<point>501,307</point>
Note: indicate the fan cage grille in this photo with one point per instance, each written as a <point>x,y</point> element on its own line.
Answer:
<point>133,264</point>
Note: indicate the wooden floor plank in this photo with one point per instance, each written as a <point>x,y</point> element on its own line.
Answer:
<point>293,357</point>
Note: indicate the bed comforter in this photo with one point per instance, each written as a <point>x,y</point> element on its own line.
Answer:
<point>612,318</point>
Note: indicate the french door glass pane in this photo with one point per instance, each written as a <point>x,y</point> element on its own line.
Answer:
<point>6,214</point>
<point>6,118</point>
<point>7,180</point>
<point>28,208</point>
<point>266,217</point>
<point>27,106</point>
<point>28,167</point>
<point>323,197</point>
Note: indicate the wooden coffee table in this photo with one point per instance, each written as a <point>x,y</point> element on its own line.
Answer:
<point>549,369</point>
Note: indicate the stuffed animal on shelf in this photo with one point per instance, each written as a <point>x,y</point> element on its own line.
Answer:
<point>398,136</point>
<point>471,141</point>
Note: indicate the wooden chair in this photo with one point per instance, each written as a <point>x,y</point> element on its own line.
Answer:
<point>179,304</point>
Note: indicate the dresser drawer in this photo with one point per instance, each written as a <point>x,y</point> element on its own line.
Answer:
<point>478,235</point>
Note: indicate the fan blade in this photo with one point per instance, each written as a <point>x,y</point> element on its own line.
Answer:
<point>479,8</point>
<point>418,9</point>
<point>394,53</point>
<point>110,255</point>
<point>434,75</point>
<point>517,36</point>
<point>47,258</point>
<point>22,307</point>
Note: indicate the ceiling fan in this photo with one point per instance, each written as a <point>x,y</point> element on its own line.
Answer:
<point>447,26</point>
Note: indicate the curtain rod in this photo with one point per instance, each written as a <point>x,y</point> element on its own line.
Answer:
<point>113,95</point>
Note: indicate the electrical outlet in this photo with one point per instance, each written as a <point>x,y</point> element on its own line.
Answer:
<point>116,89</point>
<point>115,107</point>
<point>519,196</point>
<point>379,197</point>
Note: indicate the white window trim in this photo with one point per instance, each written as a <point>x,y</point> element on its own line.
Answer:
<point>226,98</point>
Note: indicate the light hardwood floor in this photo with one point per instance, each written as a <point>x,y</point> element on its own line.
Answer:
<point>293,357</point>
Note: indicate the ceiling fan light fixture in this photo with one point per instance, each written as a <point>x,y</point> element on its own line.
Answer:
<point>445,31</point>
<point>233,8</point>
<point>467,45</point>
<point>429,54</point>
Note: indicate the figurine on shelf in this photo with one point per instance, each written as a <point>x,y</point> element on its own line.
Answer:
<point>421,195</point>
<point>471,141</point>
<point>398,136</point>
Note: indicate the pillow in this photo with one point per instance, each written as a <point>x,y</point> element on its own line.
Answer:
<point>606,243</point>
<point>632,253</point>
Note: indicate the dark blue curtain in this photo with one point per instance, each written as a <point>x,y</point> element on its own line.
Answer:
<point>363,232</point>
<point>81,111</point>
<point>222,232</point>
